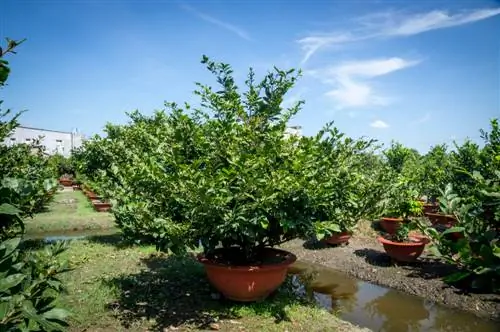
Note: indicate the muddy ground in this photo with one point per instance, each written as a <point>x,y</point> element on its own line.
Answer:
<point>365,259</point>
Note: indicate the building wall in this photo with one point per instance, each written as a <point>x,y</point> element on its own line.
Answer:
<point>54,141</point>
<point>295,130</point>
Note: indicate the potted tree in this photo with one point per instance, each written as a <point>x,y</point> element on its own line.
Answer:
<point>401,204</point>
<point>361,190</point>
<point>448,204</point>
<point>403,246</point>
<point>252,187</point>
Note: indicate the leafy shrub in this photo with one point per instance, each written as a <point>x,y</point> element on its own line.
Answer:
<point>29,283</point>
<point>227,174</point>
<point>477,253</point>
<point>29,287</point>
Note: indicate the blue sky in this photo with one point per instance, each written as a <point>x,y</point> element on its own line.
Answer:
<point>420,72</point>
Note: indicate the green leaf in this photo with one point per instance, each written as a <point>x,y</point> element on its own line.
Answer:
<point>456,276</point>
<point>5,307</point>
<point>11,281</point>
<point>9,209</point>
<point>56,314</point>
<point>454,230</point>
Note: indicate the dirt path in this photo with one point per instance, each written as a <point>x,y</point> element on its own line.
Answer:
<point>365,259</point>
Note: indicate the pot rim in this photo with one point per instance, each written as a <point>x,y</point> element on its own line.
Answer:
<point>431,214</point>
<point>422,240</point>
<point>392,219</point>
<point>290,259</point>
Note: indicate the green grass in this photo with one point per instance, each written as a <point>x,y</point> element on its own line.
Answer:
<point>69,211</point>
<point>115,287</point>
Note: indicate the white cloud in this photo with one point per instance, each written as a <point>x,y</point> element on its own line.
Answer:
<point>392,24</point>
<point>379,124</point>
<point>312,44</point>
<point>230,27</point>
<point>351,80</point>
<point>415,24</point>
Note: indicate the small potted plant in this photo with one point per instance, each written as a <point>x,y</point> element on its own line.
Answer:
<point>403,246</point>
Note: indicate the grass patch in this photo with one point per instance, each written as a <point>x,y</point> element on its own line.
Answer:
<point>69,211</point>
<point>115,287</point>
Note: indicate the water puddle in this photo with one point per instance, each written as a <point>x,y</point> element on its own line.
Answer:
<point>379,308</point>
<point>70,235</point>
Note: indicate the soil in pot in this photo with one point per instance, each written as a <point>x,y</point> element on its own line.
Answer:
<point>390,225</point>
<point>404,251</point>
<point>338,238</point>
<point>246,283</point>
<point>430,208</point>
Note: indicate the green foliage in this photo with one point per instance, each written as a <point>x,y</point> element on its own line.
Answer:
<point>401,198</point>
<point>400,158</point>
<point>29,286</point>
<point>477,253</point>
<point>61,165</point>
<point>402,232</point>
<point>227,174</point>
<point>29,283</point>
<point>26,178</point>
<point>434,171</point>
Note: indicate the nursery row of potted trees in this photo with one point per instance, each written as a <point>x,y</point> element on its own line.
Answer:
<point>225,176</point>
<point>98,203</point>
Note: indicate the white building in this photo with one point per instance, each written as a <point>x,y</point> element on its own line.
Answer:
<point>54,141</point>
<point>293,130</point>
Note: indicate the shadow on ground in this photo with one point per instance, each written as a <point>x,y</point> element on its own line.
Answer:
<point>174,291</point>
<point>424,268</point>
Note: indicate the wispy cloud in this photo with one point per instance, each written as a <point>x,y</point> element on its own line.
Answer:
<point>392,24</point>
<point>423,119</point>
<point>351,80</point>
<point>210,19</point>
<point>379,124</point>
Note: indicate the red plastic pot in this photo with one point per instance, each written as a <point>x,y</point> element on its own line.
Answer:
<point>248,283</point>
<point>404,251</point>
<point>338,238</point>
<point>390,225</point>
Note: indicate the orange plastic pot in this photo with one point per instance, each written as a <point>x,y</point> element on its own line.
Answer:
<point>404,251</point>
<point>390,225</point>
<point>339,238</point>
<point>248,283</point>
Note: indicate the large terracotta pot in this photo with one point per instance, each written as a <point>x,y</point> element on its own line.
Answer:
<point>445,220</point>
<point>430,208</point>
<point>441,219</point>
<point>66,182</point>
<point>91,195</point>
<point>249,283</point>
<point>338,238</point>
<point>390,225</point>
<point>101,206</point>
<point>404,251</point>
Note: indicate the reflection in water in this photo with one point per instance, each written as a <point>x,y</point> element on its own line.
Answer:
<point>379,308</point>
